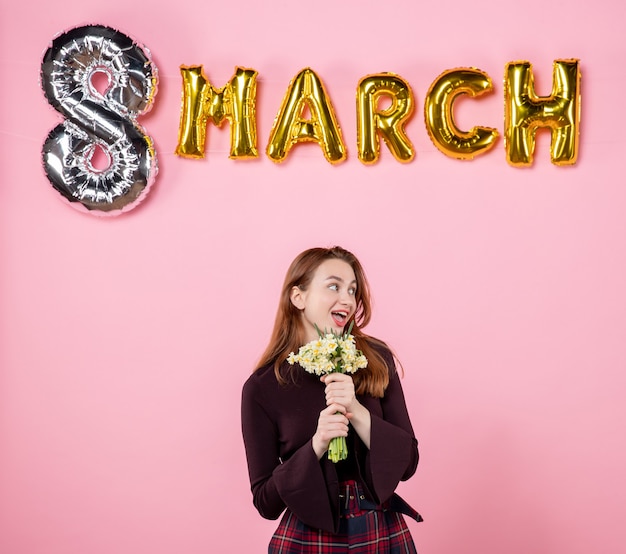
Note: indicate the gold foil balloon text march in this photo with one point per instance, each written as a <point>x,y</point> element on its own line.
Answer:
<point>525,112</point>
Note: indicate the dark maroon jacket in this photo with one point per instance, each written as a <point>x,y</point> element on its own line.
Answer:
<point>278,424</point>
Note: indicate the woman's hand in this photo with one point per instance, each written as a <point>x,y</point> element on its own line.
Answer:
<point>340,391</point>
<point>331,423</point>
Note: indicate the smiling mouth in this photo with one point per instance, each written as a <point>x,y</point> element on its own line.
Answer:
<point>340,318</point>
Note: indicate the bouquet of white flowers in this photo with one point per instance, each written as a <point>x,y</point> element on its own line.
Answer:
<point>331,353</point>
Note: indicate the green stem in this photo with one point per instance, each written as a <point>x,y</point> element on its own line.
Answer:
<point>337,449</point>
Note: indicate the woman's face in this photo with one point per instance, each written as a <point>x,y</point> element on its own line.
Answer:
<point>329,301</point>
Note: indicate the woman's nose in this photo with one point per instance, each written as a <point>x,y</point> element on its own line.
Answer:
<point>347,298</point>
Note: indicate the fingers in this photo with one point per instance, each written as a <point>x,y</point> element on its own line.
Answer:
<point>332,422</point>
<point>335,377</point>
<point>333,411</point>
<point>339,390</point>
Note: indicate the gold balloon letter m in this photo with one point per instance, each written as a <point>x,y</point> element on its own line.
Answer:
<point>234,102</point>
<point>525,112</point>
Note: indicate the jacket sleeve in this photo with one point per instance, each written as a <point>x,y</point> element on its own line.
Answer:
<point>393,454</point>
<point>299,483</point>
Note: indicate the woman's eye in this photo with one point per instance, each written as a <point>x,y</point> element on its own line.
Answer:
<point>352,291</point>
<point>333,287</point>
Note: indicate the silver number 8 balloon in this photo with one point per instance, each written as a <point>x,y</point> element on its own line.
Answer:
<point>95,119</point>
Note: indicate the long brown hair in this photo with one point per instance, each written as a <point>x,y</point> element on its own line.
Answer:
<point>289,335</point>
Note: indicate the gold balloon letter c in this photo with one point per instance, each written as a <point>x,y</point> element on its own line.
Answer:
<point>439,118</point>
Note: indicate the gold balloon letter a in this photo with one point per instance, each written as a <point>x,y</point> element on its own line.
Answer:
<point>306,91</point>
<point>234,102</point>
<point>389,122</point>
<point>525,112</point>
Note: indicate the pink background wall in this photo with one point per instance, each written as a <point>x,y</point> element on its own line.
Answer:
<point>124,341</point>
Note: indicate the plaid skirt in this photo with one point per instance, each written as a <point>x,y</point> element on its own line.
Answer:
<point>362,530</point>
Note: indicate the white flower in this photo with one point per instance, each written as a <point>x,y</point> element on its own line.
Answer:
<point>329,353</point>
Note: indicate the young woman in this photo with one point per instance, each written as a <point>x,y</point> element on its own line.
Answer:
<point>289,417</point>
